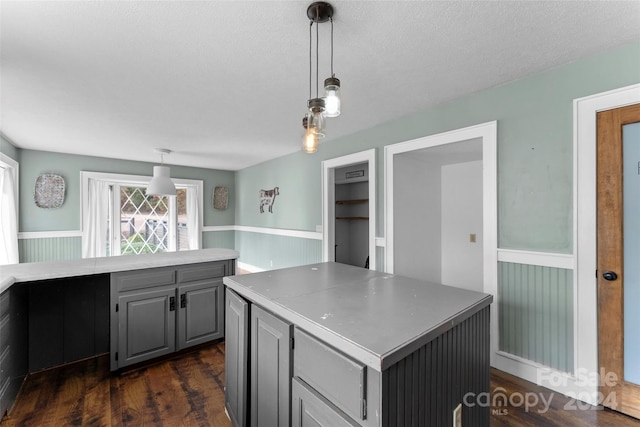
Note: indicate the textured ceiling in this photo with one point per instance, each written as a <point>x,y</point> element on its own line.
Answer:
<point>224,84</point>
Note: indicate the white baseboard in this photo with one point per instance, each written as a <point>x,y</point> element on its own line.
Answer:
<point>583,388</point>
<point>248,267</point>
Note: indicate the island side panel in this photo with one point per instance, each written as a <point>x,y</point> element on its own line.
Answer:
<point>426,386</point>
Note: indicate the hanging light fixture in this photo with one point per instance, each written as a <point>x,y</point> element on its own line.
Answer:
<point>332,86</point>
<point>161,184</point>
<point>314,120</point>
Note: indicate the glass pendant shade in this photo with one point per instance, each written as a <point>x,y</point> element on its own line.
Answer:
<point>316,116</point>
<point>310,142</point>
<point>310,139</point>
<point>161,184</point>
<point>332,97</point>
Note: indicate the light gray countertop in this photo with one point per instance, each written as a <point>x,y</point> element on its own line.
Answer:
<point>374,317</point>
<point>29,272</point>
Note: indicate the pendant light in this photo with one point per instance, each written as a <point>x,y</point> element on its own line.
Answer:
<point>332,86</point>
<point>161,184</point>
<point>314,120</point>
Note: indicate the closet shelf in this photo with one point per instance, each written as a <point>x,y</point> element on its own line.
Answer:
<point>358,218</point>
<point>351,202</point>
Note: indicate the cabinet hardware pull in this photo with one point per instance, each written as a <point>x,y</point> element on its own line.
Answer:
<point>183,300</point>
<point>172,303</point>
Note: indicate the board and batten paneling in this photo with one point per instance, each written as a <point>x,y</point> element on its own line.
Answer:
<point>426,386</point>
<point>536,313</point>
<point>218,239</point>
<point>50,249</point>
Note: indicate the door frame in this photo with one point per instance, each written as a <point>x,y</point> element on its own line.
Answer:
<point>584,233</point>
<point>329,201</point>
<point>488,132</point>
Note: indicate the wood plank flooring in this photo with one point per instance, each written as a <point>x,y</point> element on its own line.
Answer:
<point>188,391</point>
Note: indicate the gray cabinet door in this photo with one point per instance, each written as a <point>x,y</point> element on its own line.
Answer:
<point>146,323</point>
<point>201,313</point>
<point>270,369</point>
<point>310,409</point>
<point>236,357</point>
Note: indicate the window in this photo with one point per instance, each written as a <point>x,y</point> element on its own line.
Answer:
<point>120,219</point>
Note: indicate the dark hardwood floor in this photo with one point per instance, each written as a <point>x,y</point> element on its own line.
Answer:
<point>188,391</point>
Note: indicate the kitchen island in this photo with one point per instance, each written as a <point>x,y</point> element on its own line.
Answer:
<point>331,344</point>
<point>57,312</point>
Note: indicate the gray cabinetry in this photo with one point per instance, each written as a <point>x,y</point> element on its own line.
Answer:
<point>270,369</point>
<point>258,365</point>
<point>13,344</point>
<point>198,322</point>
<point>146,327</point>
<point>236,358</point>
<point>161,310</point>
<point>311,409</point>
<point>5,351</point>
<point>337,377</point>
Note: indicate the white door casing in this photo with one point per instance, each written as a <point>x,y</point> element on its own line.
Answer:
<point>328,201</point>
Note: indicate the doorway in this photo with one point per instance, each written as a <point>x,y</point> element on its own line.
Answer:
<point>618,251</point>
<point>586,364</point>
<point>349,209</point>
<point>422,238</point>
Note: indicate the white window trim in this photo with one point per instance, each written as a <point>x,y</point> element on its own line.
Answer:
<point>141,180</point>
<point>7,162</point>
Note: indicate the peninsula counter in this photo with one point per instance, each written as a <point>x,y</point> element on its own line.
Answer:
<point>53,313</point>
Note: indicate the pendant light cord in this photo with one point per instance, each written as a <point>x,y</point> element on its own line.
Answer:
<point>332,73</point>
<point>317,58</point>
<point>310,25</point>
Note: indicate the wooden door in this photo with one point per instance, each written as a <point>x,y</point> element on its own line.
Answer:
<point>617,392</point>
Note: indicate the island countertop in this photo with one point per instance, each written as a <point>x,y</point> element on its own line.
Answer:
<point>376,318</point>
<point>29,272</point>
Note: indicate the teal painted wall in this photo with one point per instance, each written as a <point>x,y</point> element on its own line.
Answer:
<point>535,153</point>
<point>268,251</point>
<point>67,217</point>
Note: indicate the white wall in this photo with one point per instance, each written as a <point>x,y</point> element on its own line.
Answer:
<point>462,261</point>
<point>417,218</point>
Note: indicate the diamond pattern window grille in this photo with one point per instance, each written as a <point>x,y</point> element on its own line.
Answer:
<point>143,222</point>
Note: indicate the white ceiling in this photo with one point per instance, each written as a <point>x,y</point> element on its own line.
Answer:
<point>224,84</point>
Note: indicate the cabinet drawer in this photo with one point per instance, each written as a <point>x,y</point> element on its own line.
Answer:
<point>309,409</point>
<point>130,280</point>
<point>201,272</point>
<point>339,378</point>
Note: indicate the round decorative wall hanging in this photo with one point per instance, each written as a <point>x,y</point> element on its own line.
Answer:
<point>49,191</point>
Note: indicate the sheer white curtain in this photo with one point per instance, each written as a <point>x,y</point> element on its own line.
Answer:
<point>193,217</point>
<point>94,242</point>
<point>8,218</point>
